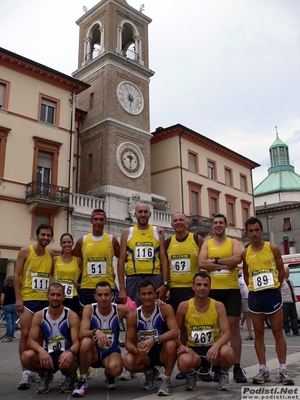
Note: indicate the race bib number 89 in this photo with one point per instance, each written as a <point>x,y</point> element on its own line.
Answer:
<point>263,280</point>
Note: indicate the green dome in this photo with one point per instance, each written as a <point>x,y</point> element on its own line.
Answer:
<point>281,174</point>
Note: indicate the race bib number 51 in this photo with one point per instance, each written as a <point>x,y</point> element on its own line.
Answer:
<point>97,266</point>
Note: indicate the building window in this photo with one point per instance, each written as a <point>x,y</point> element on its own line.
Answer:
<point>49,110</point>
<point>3,139</point>
<point>243,183</point>
<point>4,92</point>
<point>230,206</point>
<point>43,178</point>
<point>90,162</point>
<point>245,210</point>
<point>91,100</point>
<point>41,216</point>
<point>245,215</point>
<point>228,177</point>
<point>287,226</point>
<point>45,160</point>
<point>213,206</point>
<point>195,203</point>
<point>213,201</point>
<point>194,198</point>
<point>193,162</point>
<point>211,170</point>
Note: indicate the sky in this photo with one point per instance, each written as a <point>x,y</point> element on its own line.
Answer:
<point>227,69</point>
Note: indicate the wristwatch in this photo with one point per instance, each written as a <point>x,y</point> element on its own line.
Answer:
<point>216,260</point>
<point>166,283</point>
<point>73,352</point>
<point>156,339</point>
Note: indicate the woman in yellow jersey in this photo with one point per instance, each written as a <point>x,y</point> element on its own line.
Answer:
<point>66,270</point>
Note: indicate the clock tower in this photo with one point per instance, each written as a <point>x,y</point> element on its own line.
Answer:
<point>115,135</point>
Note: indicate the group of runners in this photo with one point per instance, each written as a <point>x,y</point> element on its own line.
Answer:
<point>66,326</point>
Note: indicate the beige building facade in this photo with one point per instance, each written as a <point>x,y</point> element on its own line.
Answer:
<point>37,120</point>
<point>200,177</point>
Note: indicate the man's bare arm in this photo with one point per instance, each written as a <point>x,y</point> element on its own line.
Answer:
<point>121,265</point>
<point>279,263</point>
<point>22,257</point>
<point>77,249</point>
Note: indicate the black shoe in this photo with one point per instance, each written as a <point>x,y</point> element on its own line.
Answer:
<point>206,378</point>
<point>180,376</point>
<point>239,375</point>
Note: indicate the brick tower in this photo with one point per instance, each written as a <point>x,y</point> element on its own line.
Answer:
<point>115,135</point>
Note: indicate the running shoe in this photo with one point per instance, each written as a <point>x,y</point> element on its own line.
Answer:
<point>191,382</point>
<point>285,378</point>
<point>81,388</point>
<point>165,387</point>
<point>262,377</point>
<point>224,382</point>
<point>45,380</point>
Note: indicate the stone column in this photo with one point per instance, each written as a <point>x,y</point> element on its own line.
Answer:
<point>10,267</point>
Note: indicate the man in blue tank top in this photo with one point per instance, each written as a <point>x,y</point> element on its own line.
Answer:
<point>59,326</point>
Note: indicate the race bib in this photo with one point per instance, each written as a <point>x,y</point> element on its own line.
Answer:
<point>144,251</point>
<point>263,280</point>
<point>181,264</point>
<point>40,281</point>
<point>144,335</point>
<point>56,344</point>
<point>96,266</point>
<point>222,272</point>
<point>202,335</point>
<point>109,333</point>
<point>68,287</point>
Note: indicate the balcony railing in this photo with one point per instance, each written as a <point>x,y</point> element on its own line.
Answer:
<point>198,221</point>
<point>44,191</point>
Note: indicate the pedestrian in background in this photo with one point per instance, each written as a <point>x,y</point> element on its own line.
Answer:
<point>9,308</point>
<point>290,317</point>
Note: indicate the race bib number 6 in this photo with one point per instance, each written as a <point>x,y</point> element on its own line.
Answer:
<point>68,287</point>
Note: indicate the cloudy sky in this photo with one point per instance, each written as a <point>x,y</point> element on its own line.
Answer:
<point>228,69</point>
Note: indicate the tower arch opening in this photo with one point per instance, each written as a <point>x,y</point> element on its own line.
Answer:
<point>130,43</point>
<point>94,42</point>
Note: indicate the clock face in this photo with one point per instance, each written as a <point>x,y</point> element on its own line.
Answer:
<point>130,98</point>
<point>130,160</point>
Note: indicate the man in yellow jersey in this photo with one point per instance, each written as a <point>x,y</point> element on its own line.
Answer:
<point>97,250</point>
<point>264,274</point>
<point>143,251</point>
<point>182,250</point>
<point>31,282</point>
<point>204,334</point>
<point>220,257</point>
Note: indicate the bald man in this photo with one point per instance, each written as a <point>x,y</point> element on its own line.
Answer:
<point>142,249</point>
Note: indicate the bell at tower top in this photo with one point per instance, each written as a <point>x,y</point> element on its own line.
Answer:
<point>113,26</point>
